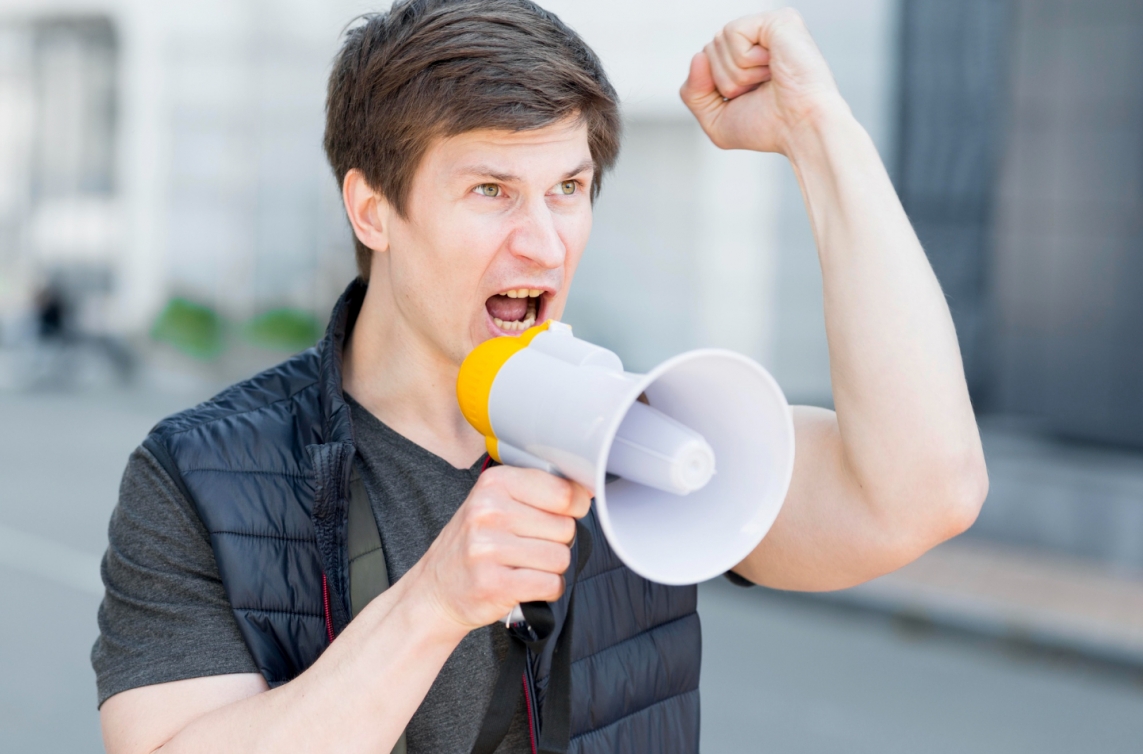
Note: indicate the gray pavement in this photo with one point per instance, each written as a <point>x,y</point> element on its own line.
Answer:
<point>781,674</point>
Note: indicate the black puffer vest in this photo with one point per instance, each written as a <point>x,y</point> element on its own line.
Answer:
<point>267,464</point>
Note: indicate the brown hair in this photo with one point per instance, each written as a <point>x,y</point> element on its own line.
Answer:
<point>429,69</point>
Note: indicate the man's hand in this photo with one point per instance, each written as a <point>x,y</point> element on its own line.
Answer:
<point>758,81</point>
<point>510,542</point>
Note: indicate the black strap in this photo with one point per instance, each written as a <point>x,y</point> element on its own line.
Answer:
<point>555,723</point>
<point>502,706</point>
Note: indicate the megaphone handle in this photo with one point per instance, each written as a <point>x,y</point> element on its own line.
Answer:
<point>516,616</point>
<point>510,455</point>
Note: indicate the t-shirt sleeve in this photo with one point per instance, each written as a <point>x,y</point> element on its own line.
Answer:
<point>165,616</point>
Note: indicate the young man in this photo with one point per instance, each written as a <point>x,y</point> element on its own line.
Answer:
<point>470,138</point>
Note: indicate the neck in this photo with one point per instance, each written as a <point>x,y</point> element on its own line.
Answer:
<point>406,383</point>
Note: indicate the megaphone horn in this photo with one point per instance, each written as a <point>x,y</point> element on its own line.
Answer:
<point>689,463</point>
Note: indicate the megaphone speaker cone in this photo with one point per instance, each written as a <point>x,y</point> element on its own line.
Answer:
<point>734,406</point>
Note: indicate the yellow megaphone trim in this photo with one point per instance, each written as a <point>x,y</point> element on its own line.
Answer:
<point>478,372</point>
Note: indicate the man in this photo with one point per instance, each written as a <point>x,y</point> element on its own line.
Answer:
<point>470,138</point>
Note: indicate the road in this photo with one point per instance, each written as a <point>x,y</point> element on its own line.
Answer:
<point>781,674</point>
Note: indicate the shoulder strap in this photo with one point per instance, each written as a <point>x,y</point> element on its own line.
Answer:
<point>368,576</point>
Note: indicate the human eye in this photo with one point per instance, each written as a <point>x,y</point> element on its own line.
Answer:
<point>567,188</point>
<point>488,189</point>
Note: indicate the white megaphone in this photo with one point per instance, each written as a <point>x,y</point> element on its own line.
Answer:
<point>689,463</point>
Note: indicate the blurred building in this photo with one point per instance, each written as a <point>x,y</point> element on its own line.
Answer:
<point>188,136</point>
<point>1020,162</point>
<point>153,150</point>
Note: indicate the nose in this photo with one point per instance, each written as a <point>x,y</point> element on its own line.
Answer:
<point>536,237</point>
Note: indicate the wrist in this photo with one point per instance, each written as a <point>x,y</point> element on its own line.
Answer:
<point>415,607</point>
<point>424,605</point>
<point>827,118</point>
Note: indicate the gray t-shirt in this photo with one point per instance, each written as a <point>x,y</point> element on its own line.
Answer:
<point>165,616</point>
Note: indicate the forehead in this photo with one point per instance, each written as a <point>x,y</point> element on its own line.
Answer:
<point>538,153</point>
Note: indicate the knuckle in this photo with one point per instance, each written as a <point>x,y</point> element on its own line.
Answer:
<point>488,516</point>
<point>493,479</point>
<point>479,550</point>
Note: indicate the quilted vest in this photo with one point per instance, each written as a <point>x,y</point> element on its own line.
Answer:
<point>267,466</point>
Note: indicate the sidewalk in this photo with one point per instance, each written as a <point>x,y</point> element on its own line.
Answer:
<point>1000,590</point>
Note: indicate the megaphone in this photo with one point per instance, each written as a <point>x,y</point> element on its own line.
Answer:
<point>689,464</point>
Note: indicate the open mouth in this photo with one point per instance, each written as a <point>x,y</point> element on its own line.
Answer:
<point>515,310</point>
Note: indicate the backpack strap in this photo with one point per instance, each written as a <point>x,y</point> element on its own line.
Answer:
<point>368,575</point>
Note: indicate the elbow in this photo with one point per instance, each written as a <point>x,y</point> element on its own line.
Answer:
<point>944,503</point>
<point>960,496</point>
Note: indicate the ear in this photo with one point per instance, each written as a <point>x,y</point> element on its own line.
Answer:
<point>368,211</point>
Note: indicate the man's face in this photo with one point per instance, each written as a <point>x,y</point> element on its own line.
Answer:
<point>495,225</point>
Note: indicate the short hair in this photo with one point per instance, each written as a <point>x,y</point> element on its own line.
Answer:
<point>430,69</point>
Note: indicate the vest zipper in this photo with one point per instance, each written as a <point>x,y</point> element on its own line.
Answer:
<point>325,608</point>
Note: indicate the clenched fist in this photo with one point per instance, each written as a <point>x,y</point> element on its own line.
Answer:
<point>759,81</point>
<point>510,542</point>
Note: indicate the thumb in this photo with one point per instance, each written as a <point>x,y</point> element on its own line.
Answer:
<point>699,93</point>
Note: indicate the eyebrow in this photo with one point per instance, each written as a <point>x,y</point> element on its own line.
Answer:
<point>486,171</point>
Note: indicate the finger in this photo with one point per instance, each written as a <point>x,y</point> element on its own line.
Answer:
<point>542,490</point>
<point>524,552</point>
<point>699,92</point>
<point>532,487</point>
<point>733,79</point>
<point>721,68</point>
<point>743,40</point>
<point>529,521</point>
<point>534,586</point>
<point>581,501</point>
<point>746,55</point>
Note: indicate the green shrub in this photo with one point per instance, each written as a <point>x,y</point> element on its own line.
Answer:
<point>283,329</point>
<point>191,327</point>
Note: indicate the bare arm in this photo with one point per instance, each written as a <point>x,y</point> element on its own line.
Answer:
<point>508,543</point>
<point>899,467</point>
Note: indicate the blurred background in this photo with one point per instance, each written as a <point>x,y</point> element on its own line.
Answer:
<point>168,225</point>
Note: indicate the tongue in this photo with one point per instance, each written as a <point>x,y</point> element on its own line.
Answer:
<point>507,309</point>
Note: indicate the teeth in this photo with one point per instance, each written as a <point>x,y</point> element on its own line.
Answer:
<point>520,326</point>
<point>533,296</point>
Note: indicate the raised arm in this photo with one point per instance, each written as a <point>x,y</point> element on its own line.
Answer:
<point>899,467</point>
<point>508,543</point>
